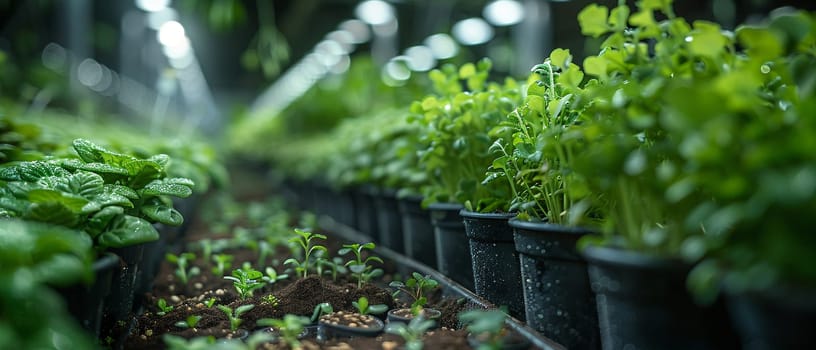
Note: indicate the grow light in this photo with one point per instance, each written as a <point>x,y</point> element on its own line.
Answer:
<point>504,12</point>
<point>472,31</point>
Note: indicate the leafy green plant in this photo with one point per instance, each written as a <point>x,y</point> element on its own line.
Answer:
<point>415,287</point>
<point>324,266</point>
<point>246,280</point>
<point>272,276</point>
<point>454,143</point>
<point>289,327</point>
<point>364,308</point>
<point>487,326</point>
<point>222,263</point>
<point>183,272</point>
<point>234,316</point>
<point>190,322</point>
<point>304,241</point>
<point>411,332</point>
<point>360,267</point>
<point>163,307</point>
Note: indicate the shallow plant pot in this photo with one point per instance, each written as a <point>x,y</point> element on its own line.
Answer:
<point>781,319</point>
<point>496,272</point>
<point>330,330</point>
<point>557,296</point>
<point>405,315</point>
<point>389,221</point>
<point>366,211</point>
<point>85,302</point>
<point>417,230</point>
<point>643,303</point>
<point>119,303</point>
<point>452,244</point>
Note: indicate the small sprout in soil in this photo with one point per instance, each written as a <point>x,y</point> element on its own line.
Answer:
<point>223,262</point>
<point>181,261</point>
<point>411,332</point>
<point>206,246</point>
<point>272,276</point>
<point>364,308</point>
<point>320,310</point>
<point>245,280</point>
<point>289,327</point>
<point>210,302</point>
<point>360,267</point>
<point>264,250</point>
<point>270,299</point>
<point>163,307</point>
<point>330,267</point>
<point>415,287</point>
<point>304,240</point>
<point>487,325</point>
<point>190,322</point>
<point>235,316</point>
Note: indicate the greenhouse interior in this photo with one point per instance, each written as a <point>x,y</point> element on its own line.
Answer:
<point>408,174</point>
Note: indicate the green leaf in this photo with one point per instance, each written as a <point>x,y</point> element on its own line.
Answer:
<point>88,151</point>
<point>655,4</point>
<point>760,43</point>
<point>163,214</point>
<point>123,191</point>
<point>52,212</point>
<point>98,168</point>
<point>467,70</point>
<point>594,65</point>
<point>618,17</point>
<point>69,201</point>
<point>101,219</point>
<point>560,58</point>
<point>128,230</point>
<point>32,171</point>
<point>707,40</point>
<point>82,183</point>
<point>166,188</point>
<point>593,20</point>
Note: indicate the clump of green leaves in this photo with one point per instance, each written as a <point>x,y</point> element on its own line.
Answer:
<point>289,327</point>
<point>415,288</point>
<point>183,270</point>
<point>270,299</point>
<point>364,308</point>
<point>304,240</point>
<point>190,322</point>
<point>487,326</point>
<point>210,302</point>
<point>360,267</point>
<point>411,332</point>
<point>453,148</point>
<point>163,307</point>
<point>246,280</point>
<point>234,316</point>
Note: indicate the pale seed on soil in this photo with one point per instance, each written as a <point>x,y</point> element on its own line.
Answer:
<point>175,298</point>
<point>198,285</point>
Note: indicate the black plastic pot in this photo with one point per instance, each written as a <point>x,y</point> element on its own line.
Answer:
<point>781,319</point>
<point>557,296</point>
<point>119,303</point>
<point>643,303</point>
<point>417,231</point>
<point>496,272</point>
<point>85,302</point>
<point>389,221</point>
<point>366,211</point>
<point>431,314</point>
<point>452,244</point>
<point>331,331</point>
<point>152,256</point>
<point>338,204</point>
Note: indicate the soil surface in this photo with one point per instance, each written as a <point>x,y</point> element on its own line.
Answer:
<point>294,295</point>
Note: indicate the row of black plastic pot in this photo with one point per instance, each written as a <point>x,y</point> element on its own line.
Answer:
<point>122,276</point>
<point>597,298</point>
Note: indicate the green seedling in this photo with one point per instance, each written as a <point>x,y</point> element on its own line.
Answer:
<point>223,262</point>
<point>272,276</point>
<point>488,325</point>
<point>289,328</point>
<point>360,267</point>
<point>411,332</point>
<point>320,310</point>
<point>210,302</point>
<point>246,280</point>
<point>304,240</point>
<point>364,308</point>
<point>234,316</point>
<point>174,342</point>
<point>331,267</point>
<point>163,307</point>
<point>415,287</point>
<point>264,250</point>
<point>190,322</point>
<point>206,246</point>
<point>182,261</point>
<point>270,299</point>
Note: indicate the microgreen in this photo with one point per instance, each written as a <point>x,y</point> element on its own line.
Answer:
<point>360,267</point>
<point>223,262</point>
<point>308,247</point>
<point>415,287</point>
<point>190,322</point>
<point>320,310</point>
<point>246,280</point>
<point>182,261</point>
<point>272,276</point>
<point>364,308</point>
<point>234,316</point>
<point>289,327</point>
<point>412,332</point>
<point>163,307</point>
